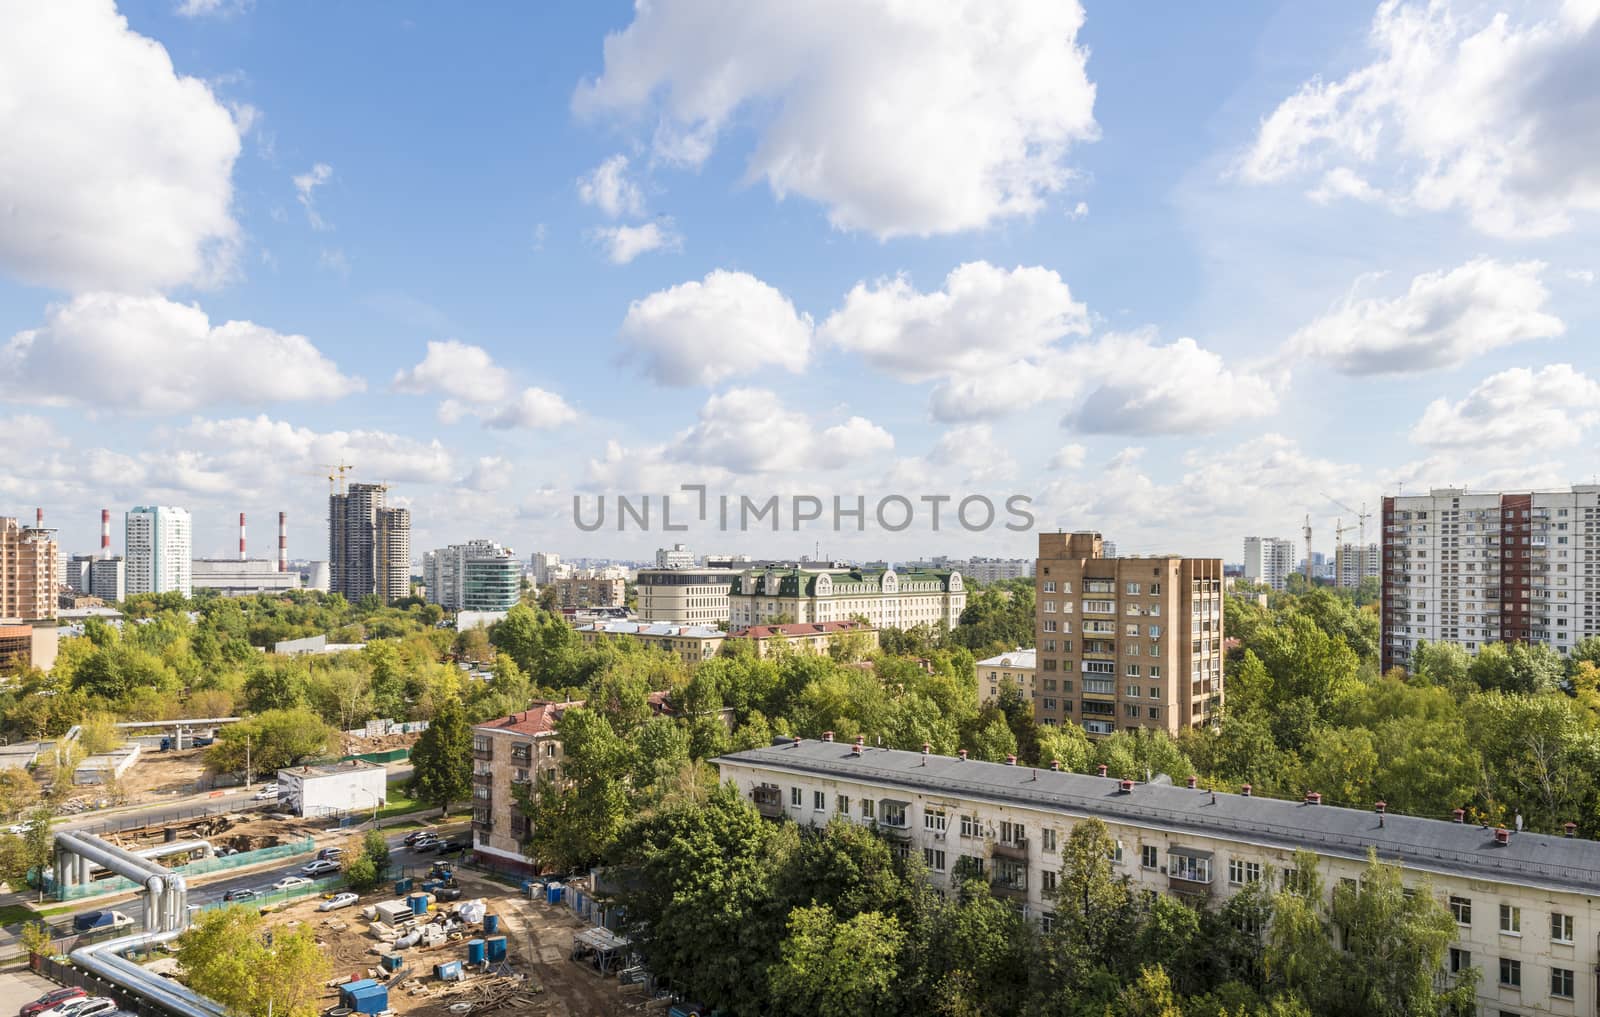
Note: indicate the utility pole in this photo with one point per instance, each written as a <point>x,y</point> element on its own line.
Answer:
<point>247,761</point>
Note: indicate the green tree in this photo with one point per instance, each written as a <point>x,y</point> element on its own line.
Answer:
<point>994,740</point>
<point>1342,763</point>
<point>1066,743</point>
<point>231,956</point>
<point>828,965</point>
<point>271,741</point>
<point>441,760</point>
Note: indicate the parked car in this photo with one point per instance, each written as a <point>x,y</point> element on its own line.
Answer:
<point>91,920</point>
<point>242,893</point>
<point>330,852</point>
<point>291,883</point>
<point>416,835</point>
<point>320,867</point>
<point>267,793</point>
<point>51,1000</point>
<point>337,901</point>
<point>224,851</point>
<point>94,1006</point>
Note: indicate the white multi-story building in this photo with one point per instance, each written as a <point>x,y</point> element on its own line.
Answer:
<point>1353,563</point>
<point>158,550</point>
<point>684,596</point>
<point>678,556</point>
<point>885,598</point>
<point>479,575</point>
<point>234,577</point>
<point>1268,560</point>
<point>547,567</point>
<point>1472,568</point>
<point>1526,906</point>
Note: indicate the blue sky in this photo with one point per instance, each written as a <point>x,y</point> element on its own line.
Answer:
<point>1175,278</point>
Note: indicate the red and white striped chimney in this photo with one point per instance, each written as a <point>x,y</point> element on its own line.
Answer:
<point>241,536</point>
<point>38,518</point>
<point>105,534</point>
<point>283,541</point>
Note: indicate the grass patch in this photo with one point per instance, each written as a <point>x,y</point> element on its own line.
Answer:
<point>400,803</point>
<point>16,914</point>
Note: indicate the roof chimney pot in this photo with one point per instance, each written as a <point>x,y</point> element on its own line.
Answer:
<point>1194,781</point>
<point>827,736</point>
<point>1460,815</point>
<point>1101,769</point>
<point>1011,760</point>
<point>1125,786</point>
<point>1245,790</point>
<point>1570,828</point>
<point>962,754</point>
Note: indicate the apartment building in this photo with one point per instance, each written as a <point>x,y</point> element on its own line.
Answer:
<point>508,754</point>
<point>29,644</point>
<point>1018,668</point>
<point>804,637</point>
<point>1355,562</point>
<point>479,575</point>
<point>1269,561</point>
<point>689,643</point>
<point>369,544</point>
<point>684,595</point>
<point>590,591</point>
<point>678,556</point>
<point>1526,906</point>
<point>29,560</point>
<point>1474,567</point>
<point>981,570</point>
<point>884,597</point>
<point>158,550</point>
<point>1125,643</point>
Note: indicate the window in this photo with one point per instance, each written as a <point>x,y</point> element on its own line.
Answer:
<point>1013,833</point>
<point>1155,670</point>
<point>1561,982</point>
<point>794,797</point>
<point>1048,839</point>
<point>1560,927</point>
<point>893,814</point>
<point>1191,868</point>
<point>1242,872</point>
<point>1461,910</point>
<point>1510,973</point>
<point>1047,922</point>
<point>819,801</point>
<point>933,819</point>
<point>969,827</point>
<point>1149,858</point>
<point>1133,670</point>
<point>841,805</point>
<point>1047,880</point>
<point>1510,919</point>
<point>1460,960</point>
<point>934,859</point>
<point>1049,586</point>
<point>1010,874</point>
<point>867,808</point>
<point>1133,691</point>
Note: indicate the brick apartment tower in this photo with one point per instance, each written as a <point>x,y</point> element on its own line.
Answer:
<point>28,558</point>
<point>1125,643</point>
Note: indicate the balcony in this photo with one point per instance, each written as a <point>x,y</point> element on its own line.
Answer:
<point>1016,848</point>
<point>768,801</point>
<point>483,750</point>
<point>483,778</point>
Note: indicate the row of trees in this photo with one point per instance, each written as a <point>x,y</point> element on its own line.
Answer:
<point>760,918</point>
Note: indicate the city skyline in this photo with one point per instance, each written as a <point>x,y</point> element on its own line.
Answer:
<point>562,267</point>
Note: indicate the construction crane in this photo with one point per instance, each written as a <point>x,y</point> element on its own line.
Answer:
<point>1361,517</point>
<point>339,470</point>
<point>1308,549</point>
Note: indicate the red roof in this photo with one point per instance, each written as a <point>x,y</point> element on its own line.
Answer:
<point>793,629</point>
<point>538,719</point>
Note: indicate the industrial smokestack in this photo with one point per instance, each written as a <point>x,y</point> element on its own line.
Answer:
<point>283,541</point>
<point>105,534</point>
<point>38,518</point>
<point>241,536</point>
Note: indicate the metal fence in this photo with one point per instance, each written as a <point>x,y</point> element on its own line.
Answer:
<point>171,817</point>
<point>118,884</point>
<point>316,886</point>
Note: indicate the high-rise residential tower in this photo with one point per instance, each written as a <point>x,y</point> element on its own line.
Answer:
<point>28,563</point>
<point>369,545</point>
<point>158,549</point>
<point>1125,643</point>
<point>1269,561</point>
<point>479,575</point>
<point>1474,567</point>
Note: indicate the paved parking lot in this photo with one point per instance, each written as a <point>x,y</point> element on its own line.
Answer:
<point>21,986</point>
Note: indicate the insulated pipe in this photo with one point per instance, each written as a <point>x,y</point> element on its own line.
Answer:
<point>105,960</point>
<point>152,904</point>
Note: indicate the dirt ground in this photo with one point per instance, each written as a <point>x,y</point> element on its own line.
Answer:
<point>538,980</point>
<point>243,831</point>
<point>355,745</point>
<point>156,773</point>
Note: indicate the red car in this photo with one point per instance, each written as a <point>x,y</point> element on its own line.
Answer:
<point>50,1001</point>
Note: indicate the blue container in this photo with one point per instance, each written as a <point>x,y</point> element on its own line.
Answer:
<point>430,885</point>
<point>450,971</point>
<point>402,887</point>
<point>497,948</point>
<point>553,893</point>
<point>419,903</point>
<point>475,951</point>
<point>365,996</point>
<point>390,961</point>
<point>491,924</point>
<point>527,888</point>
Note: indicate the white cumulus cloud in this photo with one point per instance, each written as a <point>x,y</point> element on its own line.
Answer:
<point>1443,319</point>
<point>1463,107</point>
<point>700,332</point>
<point>1514,411</point>
<point>152,355</point>
<point>1138,386</point>
<point>456,369</point>
<point>899,118</point>
<point>624,243</point>
<point>534,409</point>
<point>609,188</point>
<point>116,171</point>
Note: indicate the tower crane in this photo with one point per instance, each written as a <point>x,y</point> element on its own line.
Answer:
<point>1361,517</point>
<point>339,470</point>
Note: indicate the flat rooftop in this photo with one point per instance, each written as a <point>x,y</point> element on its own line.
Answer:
<point>1438,845</point>
<point>331,769</point>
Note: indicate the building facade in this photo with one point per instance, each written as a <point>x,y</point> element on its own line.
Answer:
<point>806,637</point>
<point>689,643</point>
<point>338,789</point>
<point>1126,643</point>
<point>883,597</point>
<point>512,754</point>
<point>684,596</point>
<point>369,545</point>
<point>232,577</point>
<point>590,591</point>
<point>678,556</point>
<point>1353,563</point>
<point>1269,561</point>
<point>479,575</point>
<point>28,645</point>
<point>546,567</point>
<point>29,561</point>
<point>1473,568</point>
<point>158,550</point>
<point>1527,906</point>
<point>1018,669</point>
